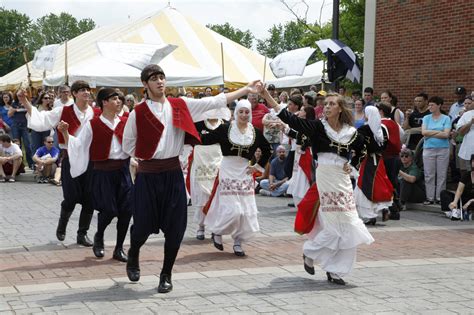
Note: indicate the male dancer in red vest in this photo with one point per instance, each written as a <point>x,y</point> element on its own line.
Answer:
<point>155,134</point>
<point>100,141</point>
<point>75,190</point>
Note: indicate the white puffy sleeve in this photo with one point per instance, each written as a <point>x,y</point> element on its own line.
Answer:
<point>44,120</point>
<point>78,150</point>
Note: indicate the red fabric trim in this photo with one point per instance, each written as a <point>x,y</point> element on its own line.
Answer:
<point>306,163</point>
<point>149,131</point>
<point>307,211</point>
<point>188,174</point>
<point>381,189</point>
<point>206,207</point>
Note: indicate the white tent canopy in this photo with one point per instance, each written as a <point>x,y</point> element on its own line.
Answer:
<point>312,75</point>
<point>196,62</point>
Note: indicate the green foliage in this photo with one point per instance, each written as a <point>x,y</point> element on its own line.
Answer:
<point>18,31</point>
<point>244,38</point>
<point>283,38</point>
<point>14,27</point>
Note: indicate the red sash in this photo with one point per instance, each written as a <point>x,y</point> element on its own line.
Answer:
<point>307,211</point>
<point>306,163</point>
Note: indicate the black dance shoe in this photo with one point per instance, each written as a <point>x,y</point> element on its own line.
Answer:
<point>165,285</point>
<point>200,234</point>
<point>98,247</point>
<point>217,245</point>
<point>308,268</point>
<point>119,255</point>
<point>371,221</point>
<point>335,280</point>
<point>133,268</point>
<point>238,251</point>
<point>84,240</point>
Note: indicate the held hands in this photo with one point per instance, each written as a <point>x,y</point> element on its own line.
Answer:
<point>63,126</point>
<point>347,168</point>
<point>253,86</point>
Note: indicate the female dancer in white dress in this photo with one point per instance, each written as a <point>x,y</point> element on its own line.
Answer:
<point>205,164</point>
<point>233,209</point>
<point>338,230</point>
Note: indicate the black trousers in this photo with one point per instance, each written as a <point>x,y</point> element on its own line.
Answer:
<point>412,192</point>
<point>77,191</point>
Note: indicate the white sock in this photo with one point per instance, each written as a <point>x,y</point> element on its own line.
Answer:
<point>308,261</point>
<point>218,239</point>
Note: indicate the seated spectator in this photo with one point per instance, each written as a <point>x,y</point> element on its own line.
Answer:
<point>259,176</point>
<point>277,183</point>
<point>436,129</point>
<point>410,179</point>
<point>45,159</point>
<point>414,119</point>
<point>465,127</point>
<point>451,203</point>
<point>10,159</point>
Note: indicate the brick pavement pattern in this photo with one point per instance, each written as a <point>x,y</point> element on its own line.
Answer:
<point>420,264</point>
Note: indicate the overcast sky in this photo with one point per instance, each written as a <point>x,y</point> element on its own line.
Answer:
<point>255,15</point>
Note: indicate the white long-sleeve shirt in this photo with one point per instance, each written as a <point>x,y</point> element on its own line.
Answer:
<point>79,146</point>
<point>47,120</point>
<point>172,138</point>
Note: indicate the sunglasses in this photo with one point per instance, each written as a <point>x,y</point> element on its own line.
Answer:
<point>404,155</point>
<point>46,98</point>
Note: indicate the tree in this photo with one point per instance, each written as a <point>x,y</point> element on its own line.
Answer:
<point>14,28</point>
<point>244,38</point>
<point>55,29</point>
<point>283,38</point>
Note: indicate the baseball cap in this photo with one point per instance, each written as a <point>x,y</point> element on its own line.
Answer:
<point>150,71</point>
<point>311,93</point>
<point>322,93</point>
<point>271,87</point>
<point>460,90</point>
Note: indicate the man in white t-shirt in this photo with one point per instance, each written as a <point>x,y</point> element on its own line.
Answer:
<point>10,158</point>
<point>465,127</point>
<point>65,98</point>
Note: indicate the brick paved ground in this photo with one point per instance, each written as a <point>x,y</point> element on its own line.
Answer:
<point>420,264</point>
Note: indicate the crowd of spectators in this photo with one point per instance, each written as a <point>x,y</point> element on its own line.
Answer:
<point>429,143</point>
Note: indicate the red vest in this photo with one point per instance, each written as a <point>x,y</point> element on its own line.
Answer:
<point>150,129</point>
<point>69,116</point>
<point>97,111</point>
<point>102,138</point>
<point>394,144</point>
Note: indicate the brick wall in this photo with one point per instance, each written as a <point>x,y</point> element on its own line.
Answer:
<point>424,46</point>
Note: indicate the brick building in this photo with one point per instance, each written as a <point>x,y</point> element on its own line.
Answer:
<point>414,46</point>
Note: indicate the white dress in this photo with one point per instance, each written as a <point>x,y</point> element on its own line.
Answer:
<point>233,209</point>
<point>338,230</point>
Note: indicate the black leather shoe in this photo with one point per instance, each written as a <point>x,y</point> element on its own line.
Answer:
<point>62,224</point>
<point>308,268</point>
<point>217,245</point>
<point>371,221</point>
<point>240,252</point>
<point>200,235</point>
<point>165,285</point>
<point>84,240</point>
<point>119,255</point>
<point>98,247</point>
<point>133,268</point>
<point>335,280</point>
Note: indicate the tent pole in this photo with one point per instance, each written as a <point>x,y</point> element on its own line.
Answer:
<point>323,78</point>
<point>264,68</point>
<point>27,70</point>
<point>66,78</point>
<point>222,62</point>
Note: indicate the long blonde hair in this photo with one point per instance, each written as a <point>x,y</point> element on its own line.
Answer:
<point>345,117</point>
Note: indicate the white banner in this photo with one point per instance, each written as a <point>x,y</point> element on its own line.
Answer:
<point>44,57</point>
<point>135,55</point>
<point>292,62</point>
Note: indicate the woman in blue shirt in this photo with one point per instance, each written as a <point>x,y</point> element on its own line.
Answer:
<point>436,128</point>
